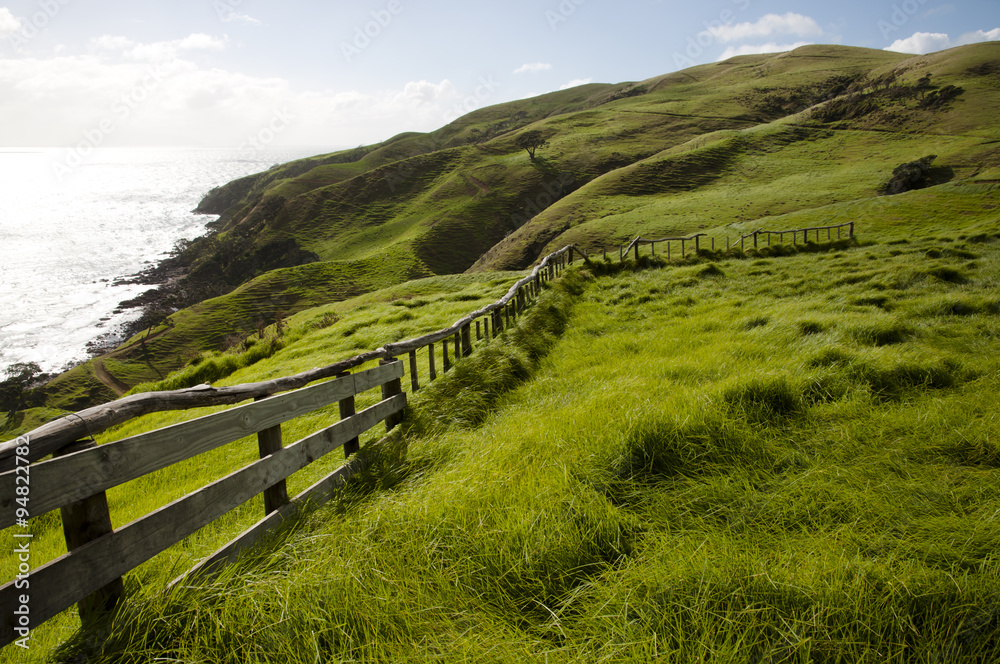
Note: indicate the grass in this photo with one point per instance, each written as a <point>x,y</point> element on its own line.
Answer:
<point>772,455</point>
<point>635,473</point>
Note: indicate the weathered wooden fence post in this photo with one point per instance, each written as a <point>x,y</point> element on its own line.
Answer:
<point>389,390</point>
<point>697,244</point>
<point>347,409</point>
<point>430,362</point>
<point>444,355</point>
<point>755,239</point>
<point>83,522</point>
<point>851,233</point>
<point>467,340</point>
<point>269,442</point>
<point>458,345</point>
<point>637,249</point>
<point>414,383</point>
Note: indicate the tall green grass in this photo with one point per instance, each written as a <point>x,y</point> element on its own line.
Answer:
<point>656,481</point>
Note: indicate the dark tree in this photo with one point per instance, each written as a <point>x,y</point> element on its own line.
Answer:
<point>909,176</point>
<point>20,378</point>
<point>530,141</point>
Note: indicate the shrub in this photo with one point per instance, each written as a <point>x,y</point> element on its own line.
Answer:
<point>909,176</point>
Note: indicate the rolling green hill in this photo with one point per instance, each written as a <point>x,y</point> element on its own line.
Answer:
<point>765,456</point>
<point>780,141</point>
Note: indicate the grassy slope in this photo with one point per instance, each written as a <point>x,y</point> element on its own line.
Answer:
<point>793,165</point>
<point>947,335</point>
<point>315,337</point>
<point>790,458</point>
<point>704,149</point>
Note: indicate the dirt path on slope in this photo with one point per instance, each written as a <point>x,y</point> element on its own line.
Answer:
<point>105,377</point>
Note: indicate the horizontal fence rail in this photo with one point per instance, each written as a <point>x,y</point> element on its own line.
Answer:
<point>90,574</point>
<point>79,473</point>
<point>700,241</point>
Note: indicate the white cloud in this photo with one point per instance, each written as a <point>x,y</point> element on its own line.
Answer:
<point>576,82</point>
<point>201,41</point>
<point>8,22</point>
<point>979,36</point>
<point>112,43</point>
<point>158,51</point>
<point>111,96</point>
<point>533,68</point>
<point>769,25</point>
<point>754,49</point>
<point>929,42</point>
<point>921,42</point>
<point>243,18</point>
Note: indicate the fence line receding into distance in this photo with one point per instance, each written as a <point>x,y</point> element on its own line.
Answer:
<point>697,239</point>
<point>76,478</point>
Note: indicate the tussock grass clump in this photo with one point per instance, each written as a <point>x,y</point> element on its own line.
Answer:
<point>830,356</point>
<point>809,327</point>
<point>711,270</point>
<point>881,333</point>
<point>211,367</point>
<point>949,274</point>
<point>952,305</point>
<point>765,399</point>
<point>880,301</point>
<point>469,392</point>
<point>893,380</point>
<point>755,322</point>
<point>659,444</point>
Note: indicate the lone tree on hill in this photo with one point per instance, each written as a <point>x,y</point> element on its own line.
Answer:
<point>909,176</point>
<point>530,141</point>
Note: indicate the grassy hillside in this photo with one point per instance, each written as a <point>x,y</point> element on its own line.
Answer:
<point>766,457</point>
<point>817,137</point>
<point>764,140</point>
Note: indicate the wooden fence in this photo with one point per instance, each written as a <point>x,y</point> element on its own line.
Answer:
<point>697,240</point>
<point>76,478</point>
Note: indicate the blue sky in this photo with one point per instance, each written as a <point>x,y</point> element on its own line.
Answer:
<point>338,74</point>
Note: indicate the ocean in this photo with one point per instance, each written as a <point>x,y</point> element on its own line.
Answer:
<point>65,240</point>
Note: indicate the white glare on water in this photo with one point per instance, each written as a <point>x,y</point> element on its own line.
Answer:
<point>63,243</point>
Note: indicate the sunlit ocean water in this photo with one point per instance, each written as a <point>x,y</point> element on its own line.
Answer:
<point>64,242</point>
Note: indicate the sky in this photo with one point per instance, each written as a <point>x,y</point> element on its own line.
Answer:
<point>258,73</point>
